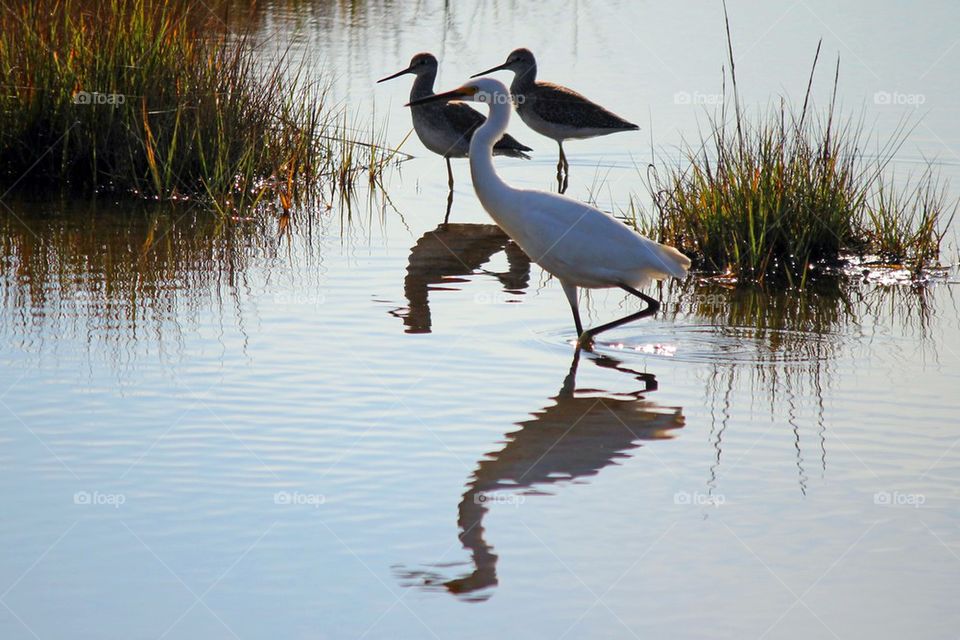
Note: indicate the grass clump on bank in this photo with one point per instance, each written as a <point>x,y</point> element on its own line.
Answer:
<point>783,196</point>
<point>152,98</point>
<point>906,226</point>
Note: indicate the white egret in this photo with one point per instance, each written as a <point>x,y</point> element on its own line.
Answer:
<point>579,244</point>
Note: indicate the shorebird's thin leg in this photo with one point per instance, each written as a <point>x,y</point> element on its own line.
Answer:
<point>446,218</point>
<point>571,291</point>
<point>563,170</point>
<point>652,307</point>
<point>560,171</point>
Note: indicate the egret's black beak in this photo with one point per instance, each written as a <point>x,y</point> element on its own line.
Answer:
<point>497,68</point>
<point>396,75</point>
<point>460,92</point>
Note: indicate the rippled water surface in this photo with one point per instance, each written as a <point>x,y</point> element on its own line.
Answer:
<point>375,426</point>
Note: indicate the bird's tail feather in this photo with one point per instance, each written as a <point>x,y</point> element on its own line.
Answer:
<point>672,262</point>
<point>511,147</point>
<point>512,152</point>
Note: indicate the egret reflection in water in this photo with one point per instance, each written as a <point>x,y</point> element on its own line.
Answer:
<point>576,435</point>
<point>442,256</point>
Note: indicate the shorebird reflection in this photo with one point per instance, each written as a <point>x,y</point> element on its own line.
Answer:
<point>453,250</point>
<point>575,436</point>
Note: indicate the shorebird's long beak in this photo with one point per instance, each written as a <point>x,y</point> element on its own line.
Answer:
<point>396,75</point>
<point>496,68</point>
<point>459,92</point>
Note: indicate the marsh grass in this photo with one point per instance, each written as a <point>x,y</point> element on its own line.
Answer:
<point>156,100</point>
<point>781,196</point>
<point>906,225</point>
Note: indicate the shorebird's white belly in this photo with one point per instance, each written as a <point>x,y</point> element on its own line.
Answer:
<point>558,131</point>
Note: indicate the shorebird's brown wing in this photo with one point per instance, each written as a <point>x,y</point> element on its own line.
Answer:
<point>466,120</point>
<point>564,106</point>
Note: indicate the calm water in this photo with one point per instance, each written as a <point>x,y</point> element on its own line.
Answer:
<point>375,427</point>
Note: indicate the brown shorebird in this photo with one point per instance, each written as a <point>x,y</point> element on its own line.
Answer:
<point>446,128</point>
<point>553,110</point>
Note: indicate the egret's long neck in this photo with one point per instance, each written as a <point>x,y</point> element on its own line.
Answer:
<point>488,185</point>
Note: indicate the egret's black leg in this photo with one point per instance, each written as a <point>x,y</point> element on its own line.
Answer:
<point>653,302</point>
<point>652,307</point>
<point>449,175</point>
<point>571,291</point>
<point>576,321</point>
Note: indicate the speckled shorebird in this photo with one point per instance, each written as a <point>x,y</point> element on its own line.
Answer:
<point>553,110</point>
<point>446,128</point>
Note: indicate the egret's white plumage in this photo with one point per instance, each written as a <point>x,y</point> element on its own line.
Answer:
<point>581,245</point>
<point>577,243</point>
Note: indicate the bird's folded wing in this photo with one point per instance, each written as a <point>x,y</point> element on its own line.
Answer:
<point>561,105</point>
